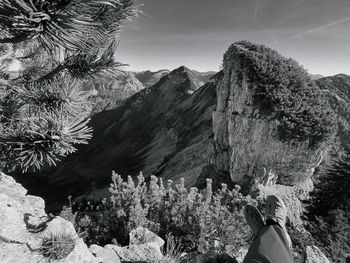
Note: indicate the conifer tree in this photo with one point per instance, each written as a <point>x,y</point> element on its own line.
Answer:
<point>332,190</point>
<point>60,44</point>
<point>329,211</point>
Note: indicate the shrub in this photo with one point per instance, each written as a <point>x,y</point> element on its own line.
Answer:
<point>57,246</point>
<point>201,220</point>
<point>329,210</point>
<point>286,90</point>
<point>67,212</point>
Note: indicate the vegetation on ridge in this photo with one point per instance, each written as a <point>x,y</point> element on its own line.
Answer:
<point>198,219</point>
<point>285,90</point>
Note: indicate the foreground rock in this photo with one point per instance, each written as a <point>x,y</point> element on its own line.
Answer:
<point>314,255</point>
<point>208,258</point>
<point>143,236</point>
<point>145,246</point>
<point>24,226</point>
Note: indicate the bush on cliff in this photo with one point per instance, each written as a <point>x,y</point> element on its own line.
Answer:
<point>200,220</point>
<point>329,210</point>
<point>285,89</point>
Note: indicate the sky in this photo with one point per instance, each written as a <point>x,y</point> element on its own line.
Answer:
<point>196,33</point>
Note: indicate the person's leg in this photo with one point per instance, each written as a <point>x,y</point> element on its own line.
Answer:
<point>253,218</point>
<point>272,242</point>
<point>276,213</point>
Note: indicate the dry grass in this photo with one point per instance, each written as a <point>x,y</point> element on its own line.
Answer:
<point>57,246</point>
<point>173,252</point>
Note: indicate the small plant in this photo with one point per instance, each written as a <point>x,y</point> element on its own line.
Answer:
<point>57,246</point>
<point>67,212</point>
<point>173,250</point>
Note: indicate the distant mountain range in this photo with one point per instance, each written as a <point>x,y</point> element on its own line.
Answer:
<point>163,129</point>
<point>316,76</point>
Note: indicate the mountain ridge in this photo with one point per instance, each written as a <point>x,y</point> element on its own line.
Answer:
<point>152,129</point>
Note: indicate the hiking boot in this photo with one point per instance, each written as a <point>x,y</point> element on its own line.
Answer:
<point>253,218</point>
<point>276,210</point>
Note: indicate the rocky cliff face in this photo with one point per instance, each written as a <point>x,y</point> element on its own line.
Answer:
<point>24,225</point>
<point>246,145</point>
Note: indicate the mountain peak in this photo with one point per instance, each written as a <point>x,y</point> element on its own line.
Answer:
<point>181,69</point>
<point>149,78</point>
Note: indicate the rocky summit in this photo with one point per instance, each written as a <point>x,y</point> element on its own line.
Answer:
<point>247,145</point>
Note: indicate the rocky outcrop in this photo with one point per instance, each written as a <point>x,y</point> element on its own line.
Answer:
<point>24,226</point>
<point>149,252</point>
<point>145,246</point>
<point>245,138</point>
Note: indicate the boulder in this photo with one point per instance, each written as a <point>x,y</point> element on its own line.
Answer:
<point>315,255</point>
<point>143,236</point>
<point>107,255</point>
<point>208,258</point>
<point>239,254</point>
<point>137,253</point>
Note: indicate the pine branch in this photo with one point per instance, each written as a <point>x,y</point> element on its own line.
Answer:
<point>39,140</point>
<point>49,76</point>
<point>14,40</point>
<point>70,24</point>
<point>61,93</point>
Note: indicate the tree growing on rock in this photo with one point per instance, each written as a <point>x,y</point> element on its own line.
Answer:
<point>329,210</point>
<point>286,92</point>
<point>58,45</point>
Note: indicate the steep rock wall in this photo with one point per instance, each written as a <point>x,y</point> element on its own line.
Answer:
<point>246,145</point>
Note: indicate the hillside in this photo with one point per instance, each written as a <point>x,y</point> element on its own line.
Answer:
<point>164,129</point>
<point>109,93</point>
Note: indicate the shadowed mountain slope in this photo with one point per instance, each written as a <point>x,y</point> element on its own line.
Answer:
<point>168,125</point>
